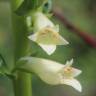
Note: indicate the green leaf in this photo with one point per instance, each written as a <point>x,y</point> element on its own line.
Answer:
<point>3,66</point>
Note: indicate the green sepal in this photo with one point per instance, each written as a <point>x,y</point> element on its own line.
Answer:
<point>47,6</point>
<point>26,7</point>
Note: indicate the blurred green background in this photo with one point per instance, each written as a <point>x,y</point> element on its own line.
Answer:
<point>82,14</point>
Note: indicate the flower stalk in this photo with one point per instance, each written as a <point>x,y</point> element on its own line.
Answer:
<point>22,81</point>
<point>22,84</point>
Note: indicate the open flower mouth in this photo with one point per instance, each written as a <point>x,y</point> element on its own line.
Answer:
<point>68,72</point>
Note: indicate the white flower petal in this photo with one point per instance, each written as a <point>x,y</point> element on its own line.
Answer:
<point>33,37</point>
<point>69,63</point>
<point>56,28</point>
<point>61,41</point>
<point>49,49</point>
<point>41,21</point>
<point>74,83</point>
<point>75,72</point>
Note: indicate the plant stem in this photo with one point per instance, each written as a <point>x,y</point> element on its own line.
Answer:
<point>22,81</point>
<point>22,84</point>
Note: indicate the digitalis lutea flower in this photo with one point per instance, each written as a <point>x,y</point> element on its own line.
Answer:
<point>52,72</point>
<point>46,33</point>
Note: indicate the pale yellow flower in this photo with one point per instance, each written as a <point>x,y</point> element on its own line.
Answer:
<point>46,33</point>
<point>52,72</point>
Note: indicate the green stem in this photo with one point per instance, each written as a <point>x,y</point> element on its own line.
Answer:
<point>22,81</point>
<point>22,84</point>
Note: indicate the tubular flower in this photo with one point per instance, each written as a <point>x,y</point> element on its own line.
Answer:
<point>52,72</point>
<point>46,33</point>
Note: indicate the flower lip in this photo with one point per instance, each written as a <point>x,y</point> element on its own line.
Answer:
<point>48,36</point>
<point>69,71</point>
